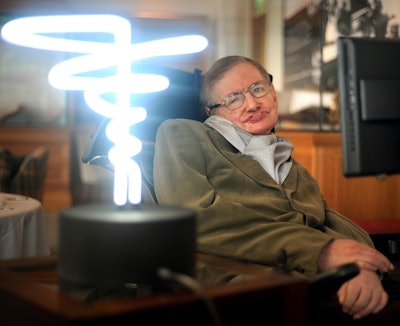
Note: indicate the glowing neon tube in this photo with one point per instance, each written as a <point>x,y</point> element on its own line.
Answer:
<point>46,32</point>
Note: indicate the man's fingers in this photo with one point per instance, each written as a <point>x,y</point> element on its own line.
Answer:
<point>374,266</point>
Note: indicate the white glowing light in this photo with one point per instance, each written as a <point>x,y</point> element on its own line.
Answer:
<point>46,32</point>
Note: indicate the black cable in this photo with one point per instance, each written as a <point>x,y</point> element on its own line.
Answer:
<point>192,284</point>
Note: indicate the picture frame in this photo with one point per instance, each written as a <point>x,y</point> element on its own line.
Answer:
<point>310,98</point>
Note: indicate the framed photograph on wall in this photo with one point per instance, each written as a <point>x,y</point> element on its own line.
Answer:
<point>302,70</point>
<point>311,29</point>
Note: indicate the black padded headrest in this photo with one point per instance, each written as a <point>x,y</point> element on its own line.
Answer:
<point>179,100</point>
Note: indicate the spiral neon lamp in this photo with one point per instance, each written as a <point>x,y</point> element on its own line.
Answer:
<point>112,245</point>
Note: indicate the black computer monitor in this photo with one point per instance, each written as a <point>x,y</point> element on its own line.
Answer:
<point>369,92</point>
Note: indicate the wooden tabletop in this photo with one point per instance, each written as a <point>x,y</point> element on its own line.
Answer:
<point>29,293</point>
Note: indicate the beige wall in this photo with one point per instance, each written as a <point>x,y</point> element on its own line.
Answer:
<point>228,21</point>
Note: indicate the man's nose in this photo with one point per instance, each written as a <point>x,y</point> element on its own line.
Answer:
<point>251,101</point>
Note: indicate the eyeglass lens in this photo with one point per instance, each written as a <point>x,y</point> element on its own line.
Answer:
<point>236,100</point>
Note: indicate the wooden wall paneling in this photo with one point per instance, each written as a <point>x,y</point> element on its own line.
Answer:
<point>328,167</point>
<point>371,199</point>
<point>303,145</point>
<point>365,198</point>
<point>356,197</point>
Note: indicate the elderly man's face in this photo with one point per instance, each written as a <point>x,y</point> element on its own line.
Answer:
<point>257,115</point>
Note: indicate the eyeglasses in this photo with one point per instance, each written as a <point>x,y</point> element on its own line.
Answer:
<point>235,101</point>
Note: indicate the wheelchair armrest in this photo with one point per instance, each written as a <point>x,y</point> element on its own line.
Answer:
<point>329,282</point>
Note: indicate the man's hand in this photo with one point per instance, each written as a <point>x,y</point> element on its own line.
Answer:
<point>362,295</point>
<point>343,251</point>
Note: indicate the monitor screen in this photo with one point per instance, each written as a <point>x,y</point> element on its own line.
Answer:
<point>369,92</point>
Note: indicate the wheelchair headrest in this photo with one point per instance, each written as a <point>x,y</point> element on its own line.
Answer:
<point>179,100</point>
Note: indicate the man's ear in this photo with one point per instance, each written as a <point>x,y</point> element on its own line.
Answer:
<point>274,93</point>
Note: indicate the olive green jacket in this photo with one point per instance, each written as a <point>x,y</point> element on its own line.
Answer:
<point>241,211</point>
